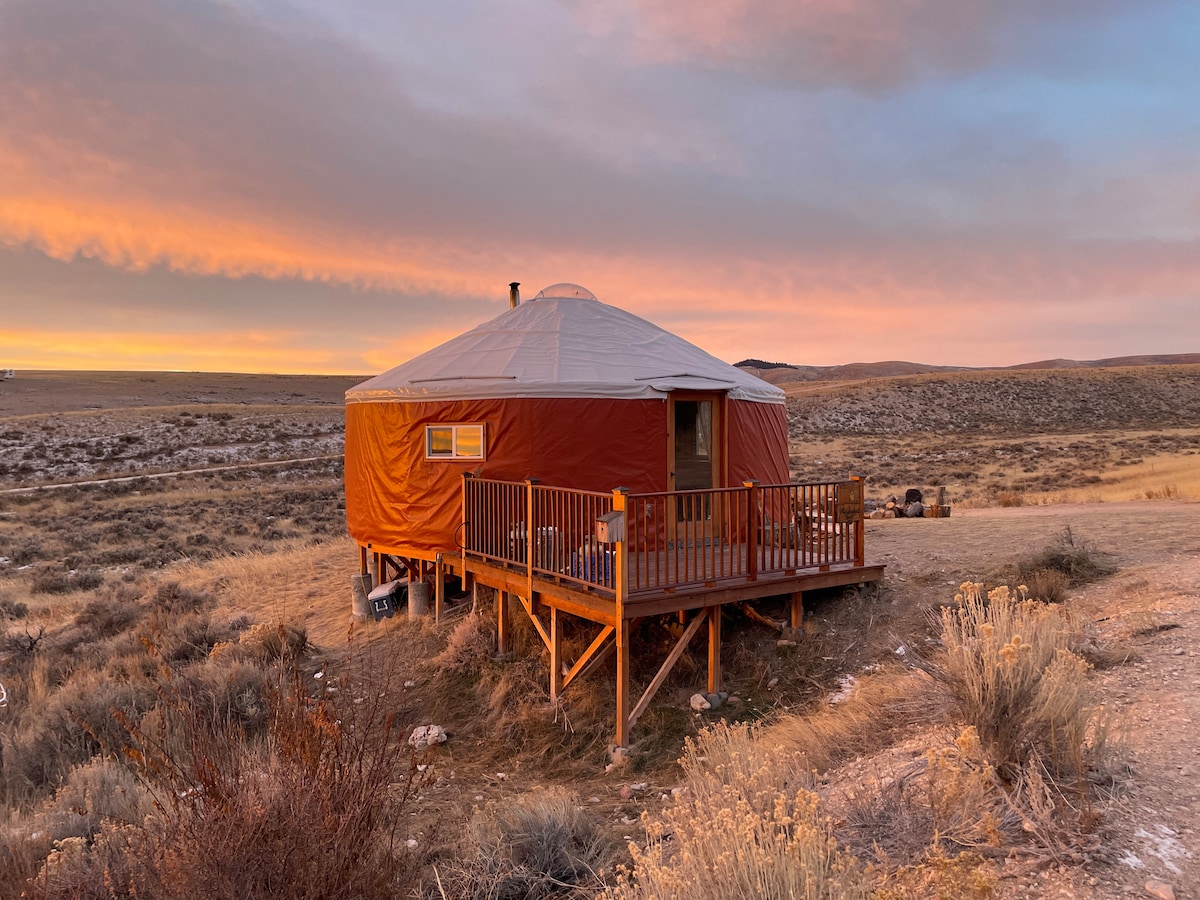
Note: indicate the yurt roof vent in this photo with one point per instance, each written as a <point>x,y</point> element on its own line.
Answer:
<point>514,296</point>
<point>564,290</point>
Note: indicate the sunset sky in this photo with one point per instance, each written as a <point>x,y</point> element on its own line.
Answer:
<point>320,186</point>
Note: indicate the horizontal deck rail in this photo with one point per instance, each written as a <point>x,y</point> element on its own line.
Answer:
<point>628,545</point>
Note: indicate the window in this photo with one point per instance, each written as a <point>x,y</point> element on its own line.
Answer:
<point>454,442</point>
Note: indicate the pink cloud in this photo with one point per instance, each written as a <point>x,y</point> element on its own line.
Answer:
<point>869,44</point>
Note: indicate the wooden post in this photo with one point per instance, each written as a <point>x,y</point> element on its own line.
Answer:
<point>621,562</point>
<point>502,622</point>
<point>714,648</point>
<point>620,590</point>
<point>363,568</point>
<point>622,737</point>
<point>797,606</point>
<point>860,526</point>
<point>752,520</point>
<point>439,589</point>
<point>556,673</point>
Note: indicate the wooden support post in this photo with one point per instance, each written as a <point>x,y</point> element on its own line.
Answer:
<point>714,649</point>
<point>363,567</point>
<point>752,523</point>
<point>860,526</point>
<point>439,589</point>
<point>556,673</point>
<point>797,605</point>
<point>502,636</point>
<point>622,736</point>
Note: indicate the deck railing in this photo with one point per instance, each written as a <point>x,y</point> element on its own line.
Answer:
<point>645,543</point>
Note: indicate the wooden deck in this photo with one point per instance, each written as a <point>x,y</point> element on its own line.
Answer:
<point>615,559</point>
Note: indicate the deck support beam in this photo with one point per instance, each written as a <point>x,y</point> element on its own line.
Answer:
<point>667,666</point>
<point>528,606</point>
<point>797,609</point>
<point>596,652</point>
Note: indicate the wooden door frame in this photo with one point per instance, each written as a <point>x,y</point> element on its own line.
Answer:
<point>718,399</point>
<point>713,525</point>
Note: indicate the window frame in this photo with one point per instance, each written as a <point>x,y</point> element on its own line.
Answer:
<point>455,455</point>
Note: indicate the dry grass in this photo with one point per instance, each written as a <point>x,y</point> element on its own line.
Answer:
<point>537,846</point>
<point>880,707</point>
<point>469,646</point>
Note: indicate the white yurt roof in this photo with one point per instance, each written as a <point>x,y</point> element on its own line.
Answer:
<point>563,343</point>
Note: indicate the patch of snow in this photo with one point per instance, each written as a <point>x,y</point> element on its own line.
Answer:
<point>1164,843</point>
<point>846,685</point>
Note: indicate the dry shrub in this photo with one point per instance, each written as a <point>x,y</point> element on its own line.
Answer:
<point>965,876</point>
<point>967,800</point>
<point>310,812</point>
<point>172,598</point>
<point>741,757</point>
<point>12,609</point>
<point>742,827</point>
<point>190,637</point>
<point>1047,585</point>
<point>52,581</point>
<point>281,641</point>
<point>1009,498</point>
<point>536,846</point>
<point>1078,560</point>
<point>469,646</point>
<point>99,789</point>
<point>108,616</point>
<point>1008,666</point>
<point>72,725</point>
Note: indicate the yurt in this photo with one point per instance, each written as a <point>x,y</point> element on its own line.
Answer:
<point>562,388</point>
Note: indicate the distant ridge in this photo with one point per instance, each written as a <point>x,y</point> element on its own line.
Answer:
<point>1161,359</point>
<point>781,373</point>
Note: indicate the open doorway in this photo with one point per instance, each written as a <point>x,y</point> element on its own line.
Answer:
<point>695,463</point>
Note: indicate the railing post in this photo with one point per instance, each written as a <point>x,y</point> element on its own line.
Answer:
<point>620,590</point>
<point>621,560</point>
<point>530,546</point>
<point>752,524</point>
<point>465,539</point>
<point>860,526</point>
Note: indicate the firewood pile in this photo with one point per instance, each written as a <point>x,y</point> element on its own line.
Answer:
<point>913,506</point>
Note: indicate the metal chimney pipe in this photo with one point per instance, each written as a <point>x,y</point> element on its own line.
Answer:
<point>514,296</point>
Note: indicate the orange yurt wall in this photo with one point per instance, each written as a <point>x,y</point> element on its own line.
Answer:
<point>757,446</point>
<point>395,498</point>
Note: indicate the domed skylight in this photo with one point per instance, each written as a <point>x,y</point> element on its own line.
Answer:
<point>564,289</point>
